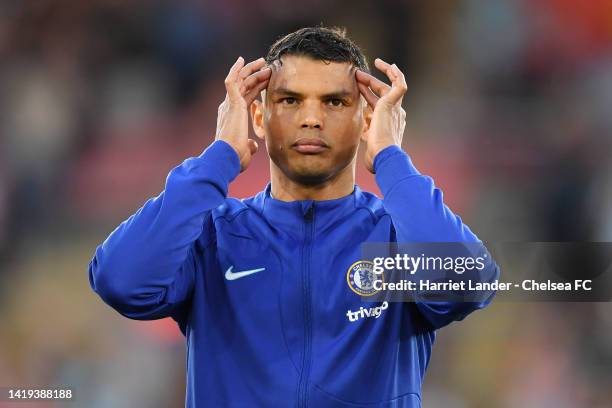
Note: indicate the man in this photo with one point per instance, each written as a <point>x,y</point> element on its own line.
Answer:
<point>262,287</point>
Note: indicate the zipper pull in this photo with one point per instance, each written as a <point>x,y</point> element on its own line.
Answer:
<point>309,215</point>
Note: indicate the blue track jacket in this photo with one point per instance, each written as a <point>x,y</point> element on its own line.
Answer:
<point>259,286</point>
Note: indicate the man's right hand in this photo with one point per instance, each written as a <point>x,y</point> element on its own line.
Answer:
<point>243,84</point>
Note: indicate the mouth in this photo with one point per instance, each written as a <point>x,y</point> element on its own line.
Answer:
<point>309,145</point>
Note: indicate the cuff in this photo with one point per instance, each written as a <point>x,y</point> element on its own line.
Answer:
<point>392,165</point>
<point>222,157</point>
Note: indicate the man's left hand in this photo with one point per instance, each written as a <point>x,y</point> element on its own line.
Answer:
<point>388,118</point>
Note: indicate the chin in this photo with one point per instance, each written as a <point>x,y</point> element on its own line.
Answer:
<point>309,170</point>
<point>309,175</point>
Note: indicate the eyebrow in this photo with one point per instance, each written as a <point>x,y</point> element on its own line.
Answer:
<point>342,93</point>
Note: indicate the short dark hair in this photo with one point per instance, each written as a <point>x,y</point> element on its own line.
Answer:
<point>329,44</point>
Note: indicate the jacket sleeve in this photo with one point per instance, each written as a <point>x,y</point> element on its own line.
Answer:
<point>419,215</point>
<point>145,269</point>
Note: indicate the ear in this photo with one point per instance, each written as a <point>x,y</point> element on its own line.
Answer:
<point>367,117</point>
<point>257,115</point>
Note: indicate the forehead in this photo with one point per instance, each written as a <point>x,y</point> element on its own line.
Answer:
<point>308,76</point>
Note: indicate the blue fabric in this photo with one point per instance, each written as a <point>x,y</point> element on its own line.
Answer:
<point>281,336</point>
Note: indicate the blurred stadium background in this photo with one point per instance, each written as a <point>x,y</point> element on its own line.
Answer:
<point>509,109</point>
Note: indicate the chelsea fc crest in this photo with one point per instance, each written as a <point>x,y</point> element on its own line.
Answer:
<point>360,278</point>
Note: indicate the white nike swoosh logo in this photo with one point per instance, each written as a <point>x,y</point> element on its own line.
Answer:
<point>230,275</point>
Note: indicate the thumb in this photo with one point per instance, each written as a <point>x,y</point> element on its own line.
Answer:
<point>364,136</point>
<point>253,146</point>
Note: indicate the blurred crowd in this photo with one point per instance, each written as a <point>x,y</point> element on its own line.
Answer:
<point>509,109</point>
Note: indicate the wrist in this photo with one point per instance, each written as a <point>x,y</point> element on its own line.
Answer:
<point>218,160</point>
<point>233,145</point>
<point>392,165</point>
<point>377,149</point>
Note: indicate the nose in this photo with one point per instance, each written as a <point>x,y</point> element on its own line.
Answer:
<point>311,117</point>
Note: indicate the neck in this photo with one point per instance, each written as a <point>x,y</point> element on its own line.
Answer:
<point>285,189</point>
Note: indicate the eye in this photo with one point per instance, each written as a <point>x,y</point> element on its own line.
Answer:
<point>288,100</point>
<point>335,102</point>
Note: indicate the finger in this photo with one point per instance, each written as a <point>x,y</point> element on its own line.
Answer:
<point>251,67</point>
<point>254,93</point>
<point>378,86</point>
<point>230,79</point>
<point>398,81</point>
<point>382,65</point>
<point>369,96</point>
<point>235,69</point>
<point>386,69</point>
<point>253,79</point>
<point>398,86</point>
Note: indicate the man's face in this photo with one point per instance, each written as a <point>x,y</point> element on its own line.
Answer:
<point>312,118</point>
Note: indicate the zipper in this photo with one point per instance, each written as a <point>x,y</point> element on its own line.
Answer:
<point>306,355</point>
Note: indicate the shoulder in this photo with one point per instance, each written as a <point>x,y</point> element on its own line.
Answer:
<point>372,203</point>
<point>225,213</point>
<point>230,209</point>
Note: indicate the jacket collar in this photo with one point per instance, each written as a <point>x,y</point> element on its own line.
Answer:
<point>293,213</point>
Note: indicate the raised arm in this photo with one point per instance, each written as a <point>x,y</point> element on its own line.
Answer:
<point>411,199</point>
<point>146,268</point>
